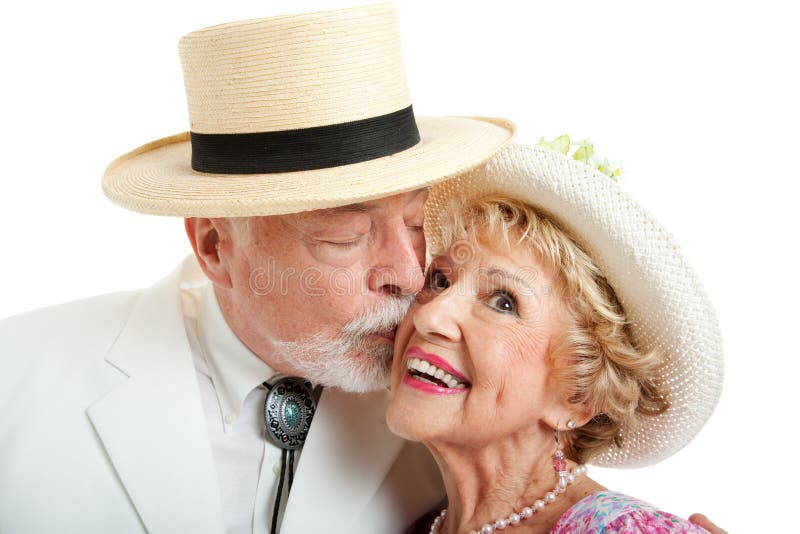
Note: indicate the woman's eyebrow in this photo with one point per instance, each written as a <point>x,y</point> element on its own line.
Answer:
<point>504,275</point>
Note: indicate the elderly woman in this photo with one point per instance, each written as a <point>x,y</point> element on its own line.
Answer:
<point>559,326</point>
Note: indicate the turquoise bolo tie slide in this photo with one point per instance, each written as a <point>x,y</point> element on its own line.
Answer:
<point>288,412</point>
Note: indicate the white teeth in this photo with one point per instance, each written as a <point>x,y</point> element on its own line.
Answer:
<point>426,367</point>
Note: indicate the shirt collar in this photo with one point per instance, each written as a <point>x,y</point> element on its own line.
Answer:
<point>233,368</point>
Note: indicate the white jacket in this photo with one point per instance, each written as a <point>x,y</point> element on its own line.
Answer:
<point>102,431</point>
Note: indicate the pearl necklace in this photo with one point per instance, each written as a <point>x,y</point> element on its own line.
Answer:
<point>516,517</point>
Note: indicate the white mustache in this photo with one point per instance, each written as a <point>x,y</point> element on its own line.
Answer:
<point>380,318</point>
<point>349,361</point>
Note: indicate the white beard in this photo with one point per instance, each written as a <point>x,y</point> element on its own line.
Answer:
<point>351,361</point>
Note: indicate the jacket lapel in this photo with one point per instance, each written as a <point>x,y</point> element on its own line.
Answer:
<point>347,456</point>
<point>152,425</point>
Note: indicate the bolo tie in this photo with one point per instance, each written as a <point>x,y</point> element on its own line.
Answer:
<point>288,411</point>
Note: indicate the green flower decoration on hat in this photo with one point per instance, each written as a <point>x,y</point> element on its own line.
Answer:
<point>584,152</point>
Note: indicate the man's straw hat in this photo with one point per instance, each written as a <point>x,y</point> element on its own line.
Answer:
<point>294,113</point>
<point>667,308</point>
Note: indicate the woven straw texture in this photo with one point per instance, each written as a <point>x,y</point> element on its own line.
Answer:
<point>289,73</point>
<point>311,69</point>
<point>665,302</point>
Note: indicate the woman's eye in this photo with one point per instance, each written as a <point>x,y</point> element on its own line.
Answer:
<point>503,302</point>
<point>435,282</point>
<point>438,281</point>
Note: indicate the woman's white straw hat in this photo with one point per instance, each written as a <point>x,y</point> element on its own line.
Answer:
<point>663,298</point>
<point>294,113</point>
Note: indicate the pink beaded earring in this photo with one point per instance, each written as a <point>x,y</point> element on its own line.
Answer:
<point>560,462</point>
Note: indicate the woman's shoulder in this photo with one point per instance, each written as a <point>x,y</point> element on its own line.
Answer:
<point>610,512</point>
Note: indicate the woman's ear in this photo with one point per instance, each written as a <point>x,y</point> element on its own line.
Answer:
<point>207,237</point>
<point>569,416</point>
<point>580,415</point>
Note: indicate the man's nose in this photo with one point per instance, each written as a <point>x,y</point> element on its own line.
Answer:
<point>398,264</point>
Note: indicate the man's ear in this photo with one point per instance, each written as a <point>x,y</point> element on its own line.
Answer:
<point>207,237</point>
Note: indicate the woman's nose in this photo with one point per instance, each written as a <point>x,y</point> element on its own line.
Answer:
<point>438,318</point>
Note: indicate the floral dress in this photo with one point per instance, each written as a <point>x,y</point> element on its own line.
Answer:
<point>608,512</point>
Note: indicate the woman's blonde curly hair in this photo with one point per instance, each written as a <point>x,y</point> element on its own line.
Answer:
<point>597,360</point>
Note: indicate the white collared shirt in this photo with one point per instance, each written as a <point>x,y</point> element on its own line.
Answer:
<point>230,377</point>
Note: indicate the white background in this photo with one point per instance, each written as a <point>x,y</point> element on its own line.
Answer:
<point>698,99</point>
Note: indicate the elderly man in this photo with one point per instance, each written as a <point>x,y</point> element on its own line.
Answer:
<point>173,409</point>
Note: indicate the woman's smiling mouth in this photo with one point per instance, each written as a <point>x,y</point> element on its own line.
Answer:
<point>430,373</point>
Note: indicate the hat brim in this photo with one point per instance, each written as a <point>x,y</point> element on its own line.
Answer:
<point>157,178</point>
<point>664,301</point>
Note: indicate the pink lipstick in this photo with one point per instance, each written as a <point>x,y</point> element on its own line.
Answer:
<point>416,352</point>
<point>429,384</point>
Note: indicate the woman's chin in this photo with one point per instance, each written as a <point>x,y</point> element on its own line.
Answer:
<point>395,421</point>
<point>405,423</point>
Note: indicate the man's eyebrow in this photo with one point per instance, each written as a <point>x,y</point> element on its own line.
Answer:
<point>351,208</point>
